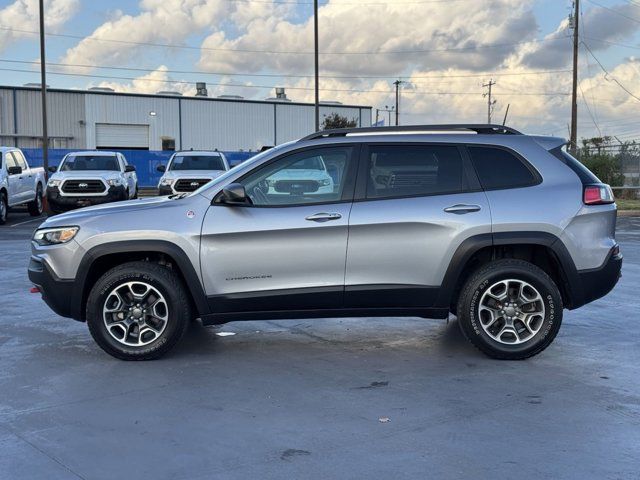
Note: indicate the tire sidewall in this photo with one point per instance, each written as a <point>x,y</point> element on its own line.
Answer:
<point>5,208</point>
<point>98,296</point>
<point>550,297</point>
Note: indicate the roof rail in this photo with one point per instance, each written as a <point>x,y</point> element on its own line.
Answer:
<point>485,128</point>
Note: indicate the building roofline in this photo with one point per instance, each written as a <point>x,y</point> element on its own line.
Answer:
<point>176,97</point>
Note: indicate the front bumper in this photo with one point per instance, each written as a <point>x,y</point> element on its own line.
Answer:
<point>58,294</point>
<point>63,202</point>
<point>165,190</point>
<point>597,282</point>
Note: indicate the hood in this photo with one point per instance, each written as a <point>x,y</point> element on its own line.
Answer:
<point>85,174</point>
<point>193,174</point>
<point>75,217</point>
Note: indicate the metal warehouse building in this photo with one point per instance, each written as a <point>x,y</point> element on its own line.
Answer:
<point>97,118</point>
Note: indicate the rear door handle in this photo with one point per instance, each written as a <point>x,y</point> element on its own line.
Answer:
<point>461,209</point>
<point>323,217</point>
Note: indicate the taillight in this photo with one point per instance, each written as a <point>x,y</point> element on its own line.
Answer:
<point>597,194</point>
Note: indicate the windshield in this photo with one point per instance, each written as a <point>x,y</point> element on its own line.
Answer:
<point>197,162</point>
<point>90,162</point>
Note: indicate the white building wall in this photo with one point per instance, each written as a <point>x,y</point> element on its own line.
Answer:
<point>131,110</point>
<point>226,125</point>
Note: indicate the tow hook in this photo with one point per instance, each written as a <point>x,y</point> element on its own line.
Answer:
<point>34,289</point>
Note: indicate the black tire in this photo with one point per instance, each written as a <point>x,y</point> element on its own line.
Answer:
<point>4,208</point>
<point>482,280</point>
<point>167,283</point>
<point>35,207</point>
<point>135,195</point>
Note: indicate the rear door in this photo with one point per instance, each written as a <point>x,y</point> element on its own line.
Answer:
<point>415,204</point>
<point>287,250</point>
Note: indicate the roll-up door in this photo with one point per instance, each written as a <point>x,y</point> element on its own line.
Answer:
<point>112,135</point>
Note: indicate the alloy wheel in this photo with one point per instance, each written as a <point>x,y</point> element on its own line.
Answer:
<point>135,313</point>
<point>511,311</point>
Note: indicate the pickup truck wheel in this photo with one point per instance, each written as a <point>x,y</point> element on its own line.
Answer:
<point>510,309</point>
<point>3,208</point>
<point>35,207</point>
<point>138,311</point>
<point>135,195</point>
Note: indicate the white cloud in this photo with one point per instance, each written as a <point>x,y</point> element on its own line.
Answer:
<point>164,21</point>
<point>24,15</point>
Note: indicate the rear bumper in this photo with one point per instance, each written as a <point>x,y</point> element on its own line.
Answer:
<point>59,202</point>
<point>598,282</point>
<point>58,294</point>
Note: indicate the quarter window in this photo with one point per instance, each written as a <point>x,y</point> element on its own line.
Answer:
<point>413,170</point>
<point>497,168</point>
<point>308,177</point>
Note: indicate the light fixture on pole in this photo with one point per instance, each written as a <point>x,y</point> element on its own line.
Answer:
<point>43,89</point>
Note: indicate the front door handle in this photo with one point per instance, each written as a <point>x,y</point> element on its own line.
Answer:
<point>461,209</point>
<point>323,217</point>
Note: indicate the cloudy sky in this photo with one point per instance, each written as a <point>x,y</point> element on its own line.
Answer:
<point>443,51</point>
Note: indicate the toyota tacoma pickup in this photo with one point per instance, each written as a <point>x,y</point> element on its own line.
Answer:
<point>91,178</point>
<point>187,171</point>
<point>503,230</point>
<point>19,183</point>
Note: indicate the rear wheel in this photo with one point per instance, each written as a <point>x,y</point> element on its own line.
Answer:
<point>135,195</point>
<point>4,208</point>
<point>138,311</point>
<point>510,309</point>
<point>35,206</point>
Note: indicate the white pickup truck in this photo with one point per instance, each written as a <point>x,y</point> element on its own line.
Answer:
<point>19,184</point>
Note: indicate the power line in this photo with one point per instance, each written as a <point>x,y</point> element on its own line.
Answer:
<point>352,90</point>
<point>614,11</point>
<point>278,75</point>
<point>284,52</point>
<point>607,75</point>
<point>393,2</point>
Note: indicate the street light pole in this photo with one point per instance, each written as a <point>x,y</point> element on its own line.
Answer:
<point>43,89</point>
<point>573,144</point>
<point>317,88</point>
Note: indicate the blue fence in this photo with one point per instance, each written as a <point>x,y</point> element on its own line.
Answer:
<point>145,161</point>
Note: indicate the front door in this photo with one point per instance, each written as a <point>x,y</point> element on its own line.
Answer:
<point>287,250</point>
<point>416,204</point>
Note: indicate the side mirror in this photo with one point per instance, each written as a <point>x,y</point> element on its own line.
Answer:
<point>14,170</point>
<point>129,168</point>
<point>234,194</point>
<point>53,169</point>
<point>161,168</point>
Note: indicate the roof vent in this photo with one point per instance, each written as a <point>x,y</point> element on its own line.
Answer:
<point>330,102</point>
<point>34,85</point>
<point>201,89</point>
<point>281,95</point>
<point>170,92</point>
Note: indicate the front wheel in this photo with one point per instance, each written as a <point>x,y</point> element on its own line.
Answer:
<point>510,309</point>
<point>35,206</point>
<point>138,311</point>
<point>4,208</point>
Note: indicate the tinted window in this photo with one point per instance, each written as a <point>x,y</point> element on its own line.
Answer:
<point>406,170</point>
<point>586,176</point>
<point>498,168</point>
<point>313,176</point>
<point>197,162</point>
<point>20,160</point>
<point>90,162</point>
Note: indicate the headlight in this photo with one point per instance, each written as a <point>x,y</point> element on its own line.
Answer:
<point>325,182</point>
<point>54,236</point>
<point>167,182</point>
<point>114,182</point>
<point>54,183</point>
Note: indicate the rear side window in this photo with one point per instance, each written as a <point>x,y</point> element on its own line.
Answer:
<point>414,170</point>
<point>586,176</point>
<point>498,168</point>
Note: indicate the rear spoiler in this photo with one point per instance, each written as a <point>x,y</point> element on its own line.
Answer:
<point>549,143</point>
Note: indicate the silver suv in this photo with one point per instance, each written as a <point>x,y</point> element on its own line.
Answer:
<point>502,229</point>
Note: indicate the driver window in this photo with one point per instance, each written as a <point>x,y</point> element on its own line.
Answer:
<point>312,176</point>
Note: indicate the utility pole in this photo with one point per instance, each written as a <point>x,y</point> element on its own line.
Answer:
<point>397,83</point>
<point>574,93</point>
<point>43,89</point>
<point>490,102</point>
<point>315,35</point>
<point>377,115</point>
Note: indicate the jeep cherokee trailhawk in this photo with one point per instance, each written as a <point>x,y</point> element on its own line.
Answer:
<point>502,229</point>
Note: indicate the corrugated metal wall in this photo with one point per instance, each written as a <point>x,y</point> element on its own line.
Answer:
<point>205,123</point>
<point>229,125</point>
<point>118,109</point>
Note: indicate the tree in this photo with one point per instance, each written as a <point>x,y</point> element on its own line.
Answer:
<point>336,120</point>
<point>597,154</point>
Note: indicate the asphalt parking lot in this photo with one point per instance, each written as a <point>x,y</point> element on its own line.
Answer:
<point>305,399</point>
